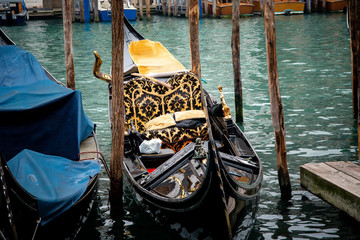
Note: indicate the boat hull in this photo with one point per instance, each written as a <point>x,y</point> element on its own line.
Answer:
<point>205,213</point>
<point>336,5</point>
<point>225,9</point>
<point>105,15</point>
<point>289,7</point>
<point>9,19</point>
<point>257,7</point>
<point>130,14</point>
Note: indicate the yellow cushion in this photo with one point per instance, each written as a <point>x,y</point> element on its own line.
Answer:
<point>153,57</point>
<point>189,114</point>
<point>160,122</point>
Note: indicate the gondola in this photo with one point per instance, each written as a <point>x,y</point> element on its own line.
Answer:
<point>48,150</point>
<point>201,180</point>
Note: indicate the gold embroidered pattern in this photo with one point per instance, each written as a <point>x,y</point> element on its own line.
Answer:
<point>145,100</point>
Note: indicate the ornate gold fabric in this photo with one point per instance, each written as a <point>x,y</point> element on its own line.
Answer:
<point>146,100</point>
<point>176,138</point>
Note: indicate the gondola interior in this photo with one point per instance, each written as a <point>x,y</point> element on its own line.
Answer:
<point>175,117</point>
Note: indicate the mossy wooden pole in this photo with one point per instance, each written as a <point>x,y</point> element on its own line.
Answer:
<point>235,47</point>
<point>69,55</point>
<point>277,111</point>
<point>354,17</point>
<point>147,2</point>
<point>194,37</point>
<point>117,146</point>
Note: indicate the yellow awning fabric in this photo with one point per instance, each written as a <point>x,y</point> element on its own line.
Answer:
<point>152,57</point>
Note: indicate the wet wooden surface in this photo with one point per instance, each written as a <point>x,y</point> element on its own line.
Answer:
<point>338,183</point>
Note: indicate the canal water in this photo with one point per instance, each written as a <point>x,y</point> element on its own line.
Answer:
<point>315,82</point>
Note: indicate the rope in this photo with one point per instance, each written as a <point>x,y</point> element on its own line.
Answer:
<point>100,157</point>
<point>36,228</point>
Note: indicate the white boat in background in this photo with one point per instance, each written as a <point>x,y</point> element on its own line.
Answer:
<point>105,10</point>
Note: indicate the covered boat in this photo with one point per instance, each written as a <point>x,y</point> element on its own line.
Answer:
<point>48,149</point>
<point>187,162</point>
<point>224,8</point>
<point>13,12</point>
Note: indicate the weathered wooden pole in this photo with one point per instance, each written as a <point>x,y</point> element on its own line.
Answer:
<point>277,111</point>
<point>354,24</point>
<point>117,146</point>
<point>69,55</point>
<point>163,7</point>
<point>73,10</point>
<point>214,8</point>
<point>175,7</point>
<point>82,13</point>
<point>315,4</point>
<point>206,8</point>
<point>187,8</point>
<point>95,5</point>
<point>194,37</point>
<point>141,9</point>
<point>235,47</point>
<point>147,2</point>
<point>308,5</point>
<point>169,7</point>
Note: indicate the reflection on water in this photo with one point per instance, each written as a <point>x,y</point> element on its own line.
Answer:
<point>315,83</point>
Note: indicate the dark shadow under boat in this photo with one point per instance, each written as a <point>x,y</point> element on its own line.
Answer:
<point>49,152</point>
<point>199,184</point>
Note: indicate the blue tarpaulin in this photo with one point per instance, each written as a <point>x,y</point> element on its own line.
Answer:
<point>35,112</point>
<point>48,119</point>
<point>56,182</point>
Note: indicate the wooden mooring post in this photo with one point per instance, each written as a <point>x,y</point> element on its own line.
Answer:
<point>95,4</point>
<point>82,13</point>
<point>214,8</point>
<point>194,37</point>
<point>277,111</point>
<point>141,10</point>
<point>69,55</point>
<point>235,46</point>
<point>117,146</point>
<point>147,9</point>
<point>354,22</point>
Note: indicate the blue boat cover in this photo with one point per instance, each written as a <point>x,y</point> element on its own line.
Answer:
<point>38,114</point>
<point>35,112</point>
<point>56,182</point>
